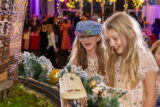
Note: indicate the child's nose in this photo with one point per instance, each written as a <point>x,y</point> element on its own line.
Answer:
<point>86,38</point>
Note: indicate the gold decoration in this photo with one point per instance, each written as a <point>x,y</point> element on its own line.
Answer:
<point>114,94</point>
<point>92,83</point>
<point>104,93</point>
<point>111,1</point>
<point>54,76</point>
<point>96,90</point>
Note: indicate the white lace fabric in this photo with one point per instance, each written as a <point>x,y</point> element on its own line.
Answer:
<point>135,97</point>
<point>92,68</point>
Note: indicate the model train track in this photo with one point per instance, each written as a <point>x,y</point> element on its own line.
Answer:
<point>49,91</point>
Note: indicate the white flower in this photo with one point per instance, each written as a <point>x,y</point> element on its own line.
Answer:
<point>45,63</point>
<point>96,90</point>
<point>26,54</point>
<point>44,60</point>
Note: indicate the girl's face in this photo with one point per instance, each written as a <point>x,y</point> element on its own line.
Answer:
<point>157,55</point>
<point>89,42</point>
<point>116,42</point>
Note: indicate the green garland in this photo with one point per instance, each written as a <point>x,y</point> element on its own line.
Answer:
<point>32,67</point>
<point>98,94</point>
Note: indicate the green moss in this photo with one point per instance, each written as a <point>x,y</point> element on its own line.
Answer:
<point>20,97</point>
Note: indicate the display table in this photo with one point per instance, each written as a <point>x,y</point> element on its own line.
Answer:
<point>34,41</point>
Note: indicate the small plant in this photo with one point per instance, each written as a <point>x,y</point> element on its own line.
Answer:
<point>20,97</point>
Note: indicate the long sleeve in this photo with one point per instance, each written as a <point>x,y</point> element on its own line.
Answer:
<point>53,40</point>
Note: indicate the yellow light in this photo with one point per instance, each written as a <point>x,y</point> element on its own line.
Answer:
<point>61,0</point>
<point>138,3</point>
<point>90,1</point>
<point>111,1</point>
<point>142,1</point>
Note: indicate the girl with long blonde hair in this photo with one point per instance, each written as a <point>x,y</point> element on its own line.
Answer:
<point>130,64</point>
<point>52,48</point>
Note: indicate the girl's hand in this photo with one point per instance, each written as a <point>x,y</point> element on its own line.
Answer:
<point>47,47</point>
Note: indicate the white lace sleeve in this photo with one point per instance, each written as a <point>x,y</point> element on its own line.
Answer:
<point>147,63</point>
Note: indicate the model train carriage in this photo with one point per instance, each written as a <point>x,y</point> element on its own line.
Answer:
<point>72,90</point>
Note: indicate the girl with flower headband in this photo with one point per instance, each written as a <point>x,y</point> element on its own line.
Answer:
<point>156,52</point>
<point>88,48</point>
<point>130,64</point>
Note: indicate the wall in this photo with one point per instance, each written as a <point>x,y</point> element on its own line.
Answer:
<point>156,2</point>
<point>51,7</point>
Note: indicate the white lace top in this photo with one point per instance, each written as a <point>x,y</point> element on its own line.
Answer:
<point>92,68</point>
<point>135,97</point>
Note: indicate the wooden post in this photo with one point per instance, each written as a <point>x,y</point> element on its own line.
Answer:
<point>1,96</point>
<point>81,7</point>
<point>4,88</point>
<point>102,11</point>
<point>125,2</point>
<point>114,7</point>
<point>91,8</point>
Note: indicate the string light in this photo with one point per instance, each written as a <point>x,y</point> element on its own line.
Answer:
<point>126,4</point>
<point>147,2</point>
<point>59,13</point>
<point>111,1</point>
<point>70,3</point>
<point>138,3</point>
<point>61,0</point>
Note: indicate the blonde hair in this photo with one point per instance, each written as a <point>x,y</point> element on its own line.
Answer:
<point>49,28</point>
<point>78,55</point>
<point>128,28</point>
<point>155,47</point>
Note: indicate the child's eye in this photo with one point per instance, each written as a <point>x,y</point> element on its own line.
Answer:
<point>89,36</point>
<point>115,39</point>
<point>81,37</point>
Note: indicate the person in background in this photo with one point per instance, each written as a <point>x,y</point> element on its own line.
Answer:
<point>52,49</point>
<point>43,38</point>
<point>76,19</point>
<point>26,38</point>
<point>156,52</point>
<point>156,27</point>
<point>66,41</point>
<point>55,26</point>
